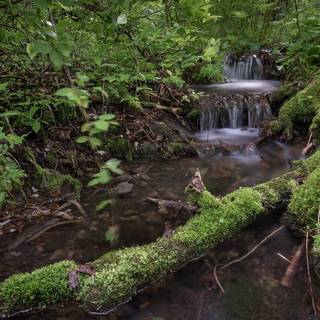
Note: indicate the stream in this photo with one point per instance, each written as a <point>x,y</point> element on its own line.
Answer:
<point>252,287</point>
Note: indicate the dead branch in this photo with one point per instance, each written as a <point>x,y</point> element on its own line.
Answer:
<point>287,279</point>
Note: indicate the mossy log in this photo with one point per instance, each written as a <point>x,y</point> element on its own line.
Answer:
<point>121,274</point>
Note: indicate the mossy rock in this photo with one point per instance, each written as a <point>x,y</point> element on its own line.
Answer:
<point>298,112</point>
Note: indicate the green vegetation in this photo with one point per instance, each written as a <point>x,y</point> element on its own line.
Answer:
<point>121,274</point>
<point>40,288</point>
<point>300,112</point>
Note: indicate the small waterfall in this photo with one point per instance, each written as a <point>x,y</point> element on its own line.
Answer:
<point>235,111</point>
<point>245,68</point>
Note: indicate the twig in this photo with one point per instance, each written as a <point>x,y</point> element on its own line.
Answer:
<point>287,279</point>
<point>253,249</point>
<point>216,278</point>
<point>309,277</point>
<point>215,274</point>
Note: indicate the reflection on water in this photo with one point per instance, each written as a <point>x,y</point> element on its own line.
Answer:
<point>139,222</point>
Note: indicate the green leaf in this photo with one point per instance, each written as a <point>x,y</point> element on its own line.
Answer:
<point>9,114</point>
<point>3,86</point>
<point>103,204</point>
<point>101,125</point>
<point>64,49</point>
<point>36,126</point>
<point>113,166</point>
<point>95,142</point>
<point>82,139</point>
<point>103,177</point>
<point>38,47</point>
<point>107,116</point>
<point>42,4</point>
<point>56,59</point>
<point>79,97</point>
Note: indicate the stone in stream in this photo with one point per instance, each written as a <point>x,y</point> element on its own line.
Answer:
<point>122,188</point>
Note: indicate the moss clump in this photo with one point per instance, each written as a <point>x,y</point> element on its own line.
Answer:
<point>119,147</point>
<point>37,289</point>
<point>176,148</point>
<point>299,111</point>
<point>220,220</point>
<point>131,268</point>
<point>194,114</point>
<point>53,180</point>
<point>315,127</point>
<point>305,202</point>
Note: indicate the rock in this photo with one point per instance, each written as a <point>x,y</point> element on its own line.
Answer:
<point>153,194</point>
<point>82,235</point>
<point>133,219</point>
<point>144,177</point>
<point>143,184</point>
<point>39,250</point>
<point>154,219</point>
<point>129,212</point>
<point>58,255</point>
<point>94,225</point>
<point>122,188</point>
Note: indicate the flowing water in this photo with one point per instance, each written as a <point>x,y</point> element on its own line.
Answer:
<point>252,287</point>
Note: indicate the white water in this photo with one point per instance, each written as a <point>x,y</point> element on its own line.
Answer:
<point>246,67</point>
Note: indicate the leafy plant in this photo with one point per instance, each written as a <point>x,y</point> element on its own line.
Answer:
<point>11,174</point>
<point>103,177</point>
<point>95,128</point>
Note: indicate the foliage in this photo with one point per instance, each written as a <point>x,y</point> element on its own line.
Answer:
<point>95,128</point>
<point>103,177</point>
<point>305,204</point>
<point>11,174</point>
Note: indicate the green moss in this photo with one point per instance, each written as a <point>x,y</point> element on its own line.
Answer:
<point>119,147</point>
<point>194,114</point>
<point>53,180</point>
<point>176,148</point>
<point>131,268</point>
<point>299,111</point>
<point>315,127</point>
<point>220,220</point>
<point>39,288</point>
<point>305,202</point>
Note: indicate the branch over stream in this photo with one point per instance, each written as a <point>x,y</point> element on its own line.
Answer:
<point>117,276</point>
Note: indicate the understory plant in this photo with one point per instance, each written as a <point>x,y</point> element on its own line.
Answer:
<point>12,175</point>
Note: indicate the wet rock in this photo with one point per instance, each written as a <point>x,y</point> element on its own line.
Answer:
<point>153,194</point>
<point>122,188</point>
<point>131,219</point>
<point>144,177</point>
<point>154,219</point>
<point>94,225</point>
<point>143,184</point>
<point>58,255</point>
<point>129,212</point>
<point>39,250</point>
<point>82,235</point>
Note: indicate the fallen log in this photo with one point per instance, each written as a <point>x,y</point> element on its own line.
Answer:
<point>119,275</point>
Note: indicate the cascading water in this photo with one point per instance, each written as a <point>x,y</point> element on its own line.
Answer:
<point>244,68</point>
<point>235,111</point>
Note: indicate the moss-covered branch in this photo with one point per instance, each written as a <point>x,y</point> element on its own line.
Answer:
<point>120,274</point>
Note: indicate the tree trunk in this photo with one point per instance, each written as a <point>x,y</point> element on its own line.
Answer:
<point>119,275</point>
